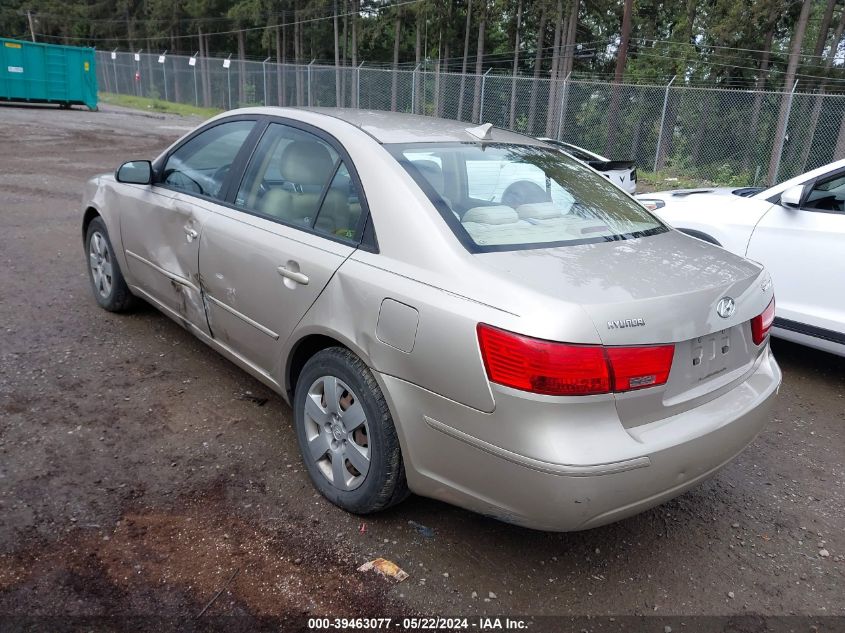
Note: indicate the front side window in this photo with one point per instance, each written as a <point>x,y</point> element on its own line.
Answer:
<point>827,195</point>
<point>200,166</point>
<point>299,179</point>
<point>507,197</point>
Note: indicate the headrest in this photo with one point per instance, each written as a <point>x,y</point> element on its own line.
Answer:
<point>522,192</point>
<point>497,214</point>
<point>306,163</point>
<point>538,210</point>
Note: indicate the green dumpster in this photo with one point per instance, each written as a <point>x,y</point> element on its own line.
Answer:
<point>47,73</point>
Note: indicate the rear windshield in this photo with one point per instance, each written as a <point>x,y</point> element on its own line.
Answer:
<point>509,197</point>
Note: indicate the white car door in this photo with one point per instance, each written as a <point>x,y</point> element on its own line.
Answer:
<point>802,247</point>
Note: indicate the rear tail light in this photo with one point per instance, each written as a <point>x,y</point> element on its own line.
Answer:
<point>762,323</point>
<point>560,369</point>
<point>639,367</point>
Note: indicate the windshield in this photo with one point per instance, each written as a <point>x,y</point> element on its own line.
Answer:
<point>508,197</point>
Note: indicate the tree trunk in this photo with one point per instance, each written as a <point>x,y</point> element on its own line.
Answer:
<point>538,65</point>
<point>553,75</point>
<point>667,145</point>
<point>460,116</point>
<point>280,60</point>
<point>621,60</point>
<point>355,11</point>
<point>203,61</point>
<point>819,100</point>
<point>789,78</point>
<point>479,66</point>
<point>571,38</point>
<point>415,107</point>
<point>512,120</point>
<point>241,69</point>
<point>759,85</point>
<point>336,56</point>
<point>397,30</point>
<point>297,57</point>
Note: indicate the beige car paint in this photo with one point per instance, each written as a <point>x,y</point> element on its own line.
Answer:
<point>555,463</point>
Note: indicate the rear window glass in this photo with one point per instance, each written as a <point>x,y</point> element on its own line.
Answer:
<point>507,197</point>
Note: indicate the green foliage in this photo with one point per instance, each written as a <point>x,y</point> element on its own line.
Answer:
<point>141,103</point>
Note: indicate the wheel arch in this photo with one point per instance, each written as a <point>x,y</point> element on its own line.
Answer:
<point>89,215</point>
<point>308,344</point>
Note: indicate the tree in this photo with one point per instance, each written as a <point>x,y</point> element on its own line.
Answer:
<point>621,59</point>
<point>479,63</point>
<point>786,99</point>
<point>464,64</point>
<point>512,119</point>
<point>397,26</point>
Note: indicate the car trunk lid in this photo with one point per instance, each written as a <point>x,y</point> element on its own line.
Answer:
<point>653,291</point>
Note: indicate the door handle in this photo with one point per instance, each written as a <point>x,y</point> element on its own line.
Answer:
<point>293,275</point>
<point>190,233</point>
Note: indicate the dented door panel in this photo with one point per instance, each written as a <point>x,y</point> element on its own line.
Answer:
<point>161,231</point>
<point>259,278</point>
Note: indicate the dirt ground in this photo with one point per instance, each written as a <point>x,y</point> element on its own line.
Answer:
<point>142,473</point>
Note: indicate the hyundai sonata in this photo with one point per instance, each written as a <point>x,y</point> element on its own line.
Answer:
<point>461,312</point>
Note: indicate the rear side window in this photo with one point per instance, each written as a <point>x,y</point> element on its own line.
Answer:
<point>299,179</point>
<point>201,165</point>
<point>509,197</point>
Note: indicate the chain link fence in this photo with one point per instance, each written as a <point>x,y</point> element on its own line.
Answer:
<point>733,137</point>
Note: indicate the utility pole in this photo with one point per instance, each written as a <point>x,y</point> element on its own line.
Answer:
<point>31,27</point>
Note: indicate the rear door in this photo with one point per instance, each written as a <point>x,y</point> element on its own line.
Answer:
<point>803,250</point>
<point>267,255</point>
<point>161,224</point>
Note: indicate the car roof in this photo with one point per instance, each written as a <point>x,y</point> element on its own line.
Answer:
<point>400,127</point>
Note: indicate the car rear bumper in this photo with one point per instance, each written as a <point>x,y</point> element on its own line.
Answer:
<point>605,472</point>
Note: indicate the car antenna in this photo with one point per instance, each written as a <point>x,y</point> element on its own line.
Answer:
<point>482,132</point>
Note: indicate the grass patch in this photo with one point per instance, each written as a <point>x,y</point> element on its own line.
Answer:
<point>157,105</point>
<point>648,181</point>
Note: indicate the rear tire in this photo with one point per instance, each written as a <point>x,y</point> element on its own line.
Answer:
<point>107,282</point>
<point>341,417</point>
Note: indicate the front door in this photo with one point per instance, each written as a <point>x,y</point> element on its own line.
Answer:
<point>161,224</point>
<point>802,248</point>
<point>297,217</point>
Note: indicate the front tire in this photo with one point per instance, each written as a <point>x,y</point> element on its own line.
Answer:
<point>346,433</point>
<point>107,282</point>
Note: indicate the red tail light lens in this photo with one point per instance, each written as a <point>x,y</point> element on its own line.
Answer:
<point>561,369</point>
<point>761,324</point>
<point>539,366</point>
<point>640,367</point>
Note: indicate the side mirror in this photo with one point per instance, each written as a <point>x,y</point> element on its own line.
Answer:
<point>135,172</point>
<point>792,197</point>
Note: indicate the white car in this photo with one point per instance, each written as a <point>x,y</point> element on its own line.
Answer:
<point>621,173</point>
<point>796,229</point>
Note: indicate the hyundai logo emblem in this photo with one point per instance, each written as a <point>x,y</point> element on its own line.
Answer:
<point>726,307</point>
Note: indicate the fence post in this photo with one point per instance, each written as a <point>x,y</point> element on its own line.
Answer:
<point>483,86</point>
<point>662,121</point>
<point>309,82</point>
<point>138,72</point>
<point>227,63</point>
<point>264,74</point>
<point>114,68</point>
<point>563,100</point>
<point>162,59</point>
<point>777,150</point>
<point>358,85</point>
<point>192,62</point>
<point>414,89</point>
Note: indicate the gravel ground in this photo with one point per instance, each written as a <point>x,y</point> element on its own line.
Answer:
<point>140,471</point>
